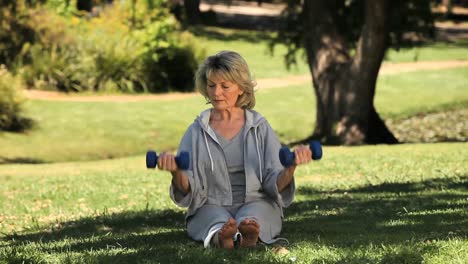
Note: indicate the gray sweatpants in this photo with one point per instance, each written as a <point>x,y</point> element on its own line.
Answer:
<point>210,218</point>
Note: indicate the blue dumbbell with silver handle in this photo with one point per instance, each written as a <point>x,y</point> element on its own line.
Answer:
<point>182,160</point>
<point>287,157</point>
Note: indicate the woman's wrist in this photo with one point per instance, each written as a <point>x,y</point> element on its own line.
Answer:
<point>180,181</point>
<point>285,178</point>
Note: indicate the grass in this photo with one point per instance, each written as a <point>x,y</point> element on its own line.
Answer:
<point>371,204</point>
<point>254,46</point>
<point>90,130</point>
<point>435,51</point>
<point>70,131</point>
<point>75,189</point>
<point>404,95</point>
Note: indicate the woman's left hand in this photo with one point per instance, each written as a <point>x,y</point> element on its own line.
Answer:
<point>302,154</point>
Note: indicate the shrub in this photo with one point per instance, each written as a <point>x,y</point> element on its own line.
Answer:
<point>171,59</point>
<point>43,59</point>
<point>114,53</point>
<point>121,48</point>
<point>53,69</point>
<point>14,32</point>
<point>11,118</point>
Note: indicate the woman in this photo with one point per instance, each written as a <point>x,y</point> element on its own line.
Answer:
<point>235,187</point>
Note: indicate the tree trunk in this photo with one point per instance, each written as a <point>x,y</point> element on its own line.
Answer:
<point>84,5</point>
<point>448,7</point>
<point>192,11</point>
<point>344,84</point>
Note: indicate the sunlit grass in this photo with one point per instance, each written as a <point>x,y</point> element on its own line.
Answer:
<point>98,130</point>
<point>254,47</point>
<point>376,204</point>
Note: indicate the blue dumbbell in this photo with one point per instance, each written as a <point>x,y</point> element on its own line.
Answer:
<point>287,157</point>
<point>182,160</point>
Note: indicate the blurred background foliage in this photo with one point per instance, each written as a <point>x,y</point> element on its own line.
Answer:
<point>125,46</point>
<point>11,102</point>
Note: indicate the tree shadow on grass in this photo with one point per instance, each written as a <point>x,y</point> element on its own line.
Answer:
<point>108,223</point>
<point>150,236</point>
<point>20,160</point>
<point>396,215</point>
<point>244,21</point>
<point>215,34</point>
<point>400,215</point>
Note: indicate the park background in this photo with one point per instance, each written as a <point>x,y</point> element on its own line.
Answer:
<point>87,87</point>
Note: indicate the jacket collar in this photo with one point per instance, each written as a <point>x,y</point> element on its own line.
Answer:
<point>252,119</point>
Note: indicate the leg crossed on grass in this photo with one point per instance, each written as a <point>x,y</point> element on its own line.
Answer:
<point>258,220</point>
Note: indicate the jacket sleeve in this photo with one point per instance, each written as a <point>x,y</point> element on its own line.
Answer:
<point>178,197</point>
<point>273,168</point>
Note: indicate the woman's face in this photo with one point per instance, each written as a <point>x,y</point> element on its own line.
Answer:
<point>223,94</point>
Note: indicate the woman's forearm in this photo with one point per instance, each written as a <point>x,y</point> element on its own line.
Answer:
<point>302,155</point>
<point>285,178</point>
<point>180,181</point>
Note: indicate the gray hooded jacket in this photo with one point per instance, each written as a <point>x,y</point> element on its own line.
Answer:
<point>208,175</point>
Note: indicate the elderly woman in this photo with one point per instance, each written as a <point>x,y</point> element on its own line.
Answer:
<point>235,187</point>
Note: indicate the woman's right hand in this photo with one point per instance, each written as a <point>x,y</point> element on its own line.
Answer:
<point>166,161</point>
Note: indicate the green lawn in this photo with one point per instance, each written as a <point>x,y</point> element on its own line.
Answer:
<point>371,204</point>
<point>69,131</point>
<point>75,188</point>
<point>437,51</point>
<point>254,47</point>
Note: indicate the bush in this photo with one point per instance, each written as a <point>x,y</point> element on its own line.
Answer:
<point>170,59</point>
<point>14,32</point>
<point>119,49</point>
<point>11,118</point>
<point>52,69</point>
<point>39,58</point>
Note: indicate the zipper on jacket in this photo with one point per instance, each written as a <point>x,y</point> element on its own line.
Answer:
<point>225,163</point>
<point>226,169</point>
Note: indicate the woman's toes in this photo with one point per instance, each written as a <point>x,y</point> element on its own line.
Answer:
<point>226,234</point>
<point>250,230</point>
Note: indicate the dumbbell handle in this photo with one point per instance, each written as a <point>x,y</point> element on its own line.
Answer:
<point>287,157</point>
<point>182,160</point>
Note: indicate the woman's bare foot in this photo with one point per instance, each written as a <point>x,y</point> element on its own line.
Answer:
<point>226,234</point>
<point>249,230</point>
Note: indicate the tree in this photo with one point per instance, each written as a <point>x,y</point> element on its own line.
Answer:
<point>345,43</point>
<point>192,11</point>
<point>84,5</point>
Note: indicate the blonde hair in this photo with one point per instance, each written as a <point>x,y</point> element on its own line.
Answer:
<point>230,66</point>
